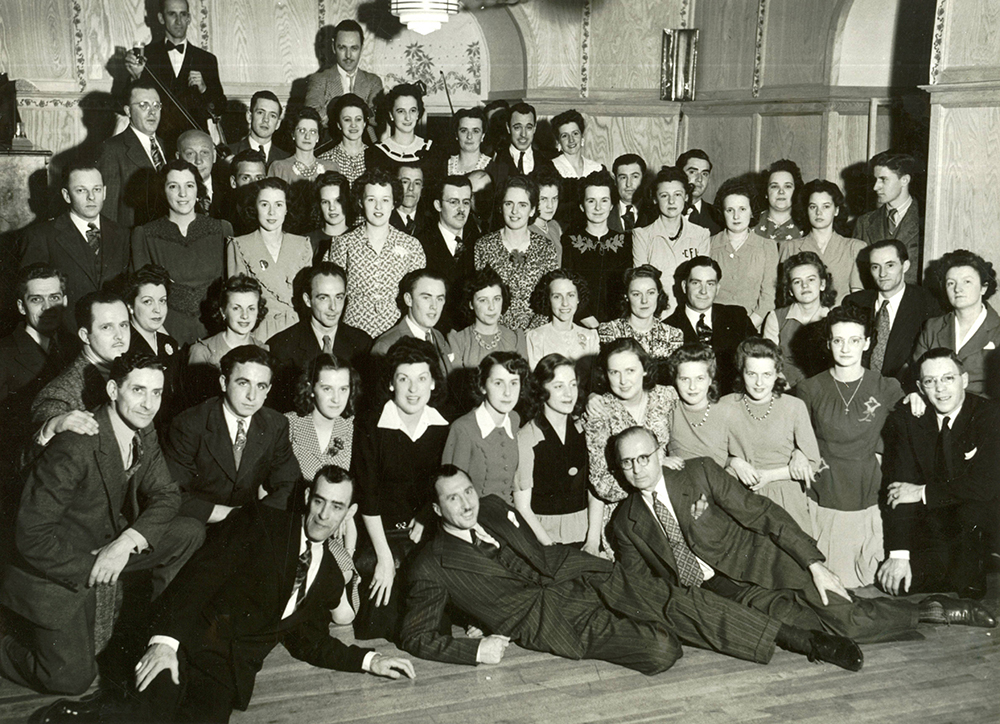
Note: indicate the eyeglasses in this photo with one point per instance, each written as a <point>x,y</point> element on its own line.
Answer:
<point>148,105</point>
<point>929,383</point>
<point>638,461</point>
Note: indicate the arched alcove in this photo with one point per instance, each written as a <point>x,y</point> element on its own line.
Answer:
<point>865,53</point>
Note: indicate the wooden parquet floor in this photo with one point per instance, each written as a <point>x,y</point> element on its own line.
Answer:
<point>951,676</point>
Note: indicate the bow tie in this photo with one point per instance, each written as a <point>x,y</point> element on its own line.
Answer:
<point>179,47</point>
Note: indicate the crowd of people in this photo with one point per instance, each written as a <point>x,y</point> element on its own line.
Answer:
<point>407,386</point>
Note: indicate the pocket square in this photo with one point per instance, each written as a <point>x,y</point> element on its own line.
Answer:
<point>969,455</point>
<point>990,345</point>
<point>512,517</point>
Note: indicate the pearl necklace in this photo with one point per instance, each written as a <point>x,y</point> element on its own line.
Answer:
<point>753,416</point>
<point>847,403</point>
<point>704,418</point>
<point>483,343</point>
<point>308,172</point>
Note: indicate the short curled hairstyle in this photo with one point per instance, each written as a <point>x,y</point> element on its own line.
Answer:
<point>644,271</point>
<point>539,300</point>
<point>537,396</point>
<point>738,186</point>
<point>241,284</point>
<point>512,362</point>
<point>339,181</point>
<point>405,90</point>
<point>337,106</point>
<point>147,274</point>
<point>786,166</point>
<point>413,351</point>
<point>307,113</point>
<point>695,352</point>
<point>964,257</point>
<point>760,348</point>
<point>668,174</point>
<point>477,113</point>
<point>565,118</point>
<point>526,184</point>
<point>179,164</point>
<point>374,176</point>
<point>253,195</point>
<point>805,258</point>
<point>305,398</point>
<point>627,344</point>
<point>851,313</point>
<point>822,186</point>
<point>599,179</point>
<point>482,279</point>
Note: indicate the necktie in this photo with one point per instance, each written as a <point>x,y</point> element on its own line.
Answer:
<point>881,337</point>
<point>136,456</point>
<point>350,83</point>
<point>204,204</point>
<point>628,220</point>
<point>520,163</point>
<point>893,215</point>
<point>942,451</point>
<point>154,150</point>
<point>94,238</point>
<point>179,47</point>
<point>458,246</point>
<point>301,573</point>
<point>688,570</point>
<point>703,331</point>
<point>327,344</point>
<point>240,443</point>
<point>484,545</point>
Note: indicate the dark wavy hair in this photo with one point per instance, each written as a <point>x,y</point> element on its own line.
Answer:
<point>805,258</point>
<point>253,194</point>
<point>482,279</point>
<point>178,164</point>
<point>337,180</point>
<point>537,396</point>
<point>852,313</point>
<point>477,113</point>
<point>305,397</point>
<point>666,174</point>
<point>566,117</point>
<point>122,366</point>
<point>964,257</point>
<point>644,271</point>
<point>822,186</point>
<point>374,176</point>
<point>739,186</point>
<point>539,300</point>
<point>760,348</point>
<point>405,90</point>
<point>147,274</point>
<point>236,284</point>
<point>787,166</point>
<point>412,351</point>
<point>627,344</point>
<point>695,352</point>
<point>337,106</point>
<point>526,184</point>
<point>510,361</point>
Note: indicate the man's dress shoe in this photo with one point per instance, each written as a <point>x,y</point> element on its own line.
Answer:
<point>836,650</point>
<point>955,611</point>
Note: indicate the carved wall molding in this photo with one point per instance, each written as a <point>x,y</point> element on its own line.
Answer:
<point>80,62</point>
<point>937,42</point>
<point>585,50</point>
<point>685,8</point>
<point>203,25</point>
<point>758,57</point>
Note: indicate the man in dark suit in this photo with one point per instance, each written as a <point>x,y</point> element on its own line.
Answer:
<point>188,72</point>
<point>129,161</point>
<point>91,505</point>
<point>245,168</point>
<point>721,326</point>
<point>698,167</point>
<point>263,117</point>
<point>66,402</point>
<point>89,249</point>
<point>322,332</point>
<point>271,580</point>
<point>942,471</point>
<point>520,157</point>
<point>633,211</point>
<point>699,526</point>
<point>898,215</point>
<point>898,310</point>
<point>449,243</point>
<point>345,76</point>
<point>409,216</point>
<point>230,451</point>
<point>487,563</point>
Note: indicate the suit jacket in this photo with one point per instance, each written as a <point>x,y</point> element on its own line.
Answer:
<point>979,355</point>
<point>401,329</point>
<point>645,215</point>
<point>81,386</point>
<point>59,243</point>
<point>324,86</point>
<point>200,456</point>
<point>417,224</point>
<point>503,166</point>
<point>228,600</point>
<point>456,269</point>
<point>297,346</point>
<point>197,104</point>
<point>76,499</point>
<point>130,179</point>
<point>916,307</point>
<point>910,458</point>
<point>742,535</point>
<point>710,217</point>
<point>274,153</point>
<point>449,570</point>
<point>730,326</point>
<point>874,226</point>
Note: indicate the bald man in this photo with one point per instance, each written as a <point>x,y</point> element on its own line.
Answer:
<point>197,148</point>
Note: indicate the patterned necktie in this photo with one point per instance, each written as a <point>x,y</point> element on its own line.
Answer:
<point>301,573</point>
<point>688,570</point>
<point>136,457</point>
<point>881,337</point>
<point>458,246</point>
<point>154,149</point>
<point>94,238</point>
<point>703,331</point>
<point>240,443</point>
<point>520,164</point>
<point>893,216</point>
<point>204,204</point>
<point>628,220</point>
<point>485,546</point>
<point>327,344</point>
<point>942,451</point>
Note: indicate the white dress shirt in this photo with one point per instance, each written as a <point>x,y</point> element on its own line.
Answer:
<point>664,497</point>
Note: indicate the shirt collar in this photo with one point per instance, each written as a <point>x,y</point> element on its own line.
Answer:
<point>661,493</point>
<point>449,237</point>
<point>515,153</point>
<point>901,209</point>
<point>415,329</point>
<point>123,434</point>
<point>82,224</point>
<point>694,314</point>
<point>146,141</point>
<point>345,77</point>
<point>100,364</point>
<point>320,331</point>
<point>486,425</point>
<point>34,334</point>
<point>263,147</point>
<point>231,420</point>
<point>952,416</point>
<point>390,420</point>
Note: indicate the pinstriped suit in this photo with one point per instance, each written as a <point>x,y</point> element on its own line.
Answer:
<point>562,601</point>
